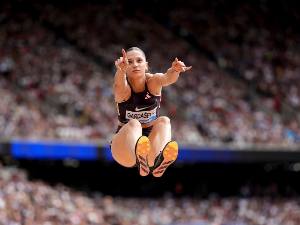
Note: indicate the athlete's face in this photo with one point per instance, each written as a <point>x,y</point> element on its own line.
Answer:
<point>137,64</point>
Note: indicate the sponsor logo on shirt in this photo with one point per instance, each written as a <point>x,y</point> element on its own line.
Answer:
<point>142,116</point>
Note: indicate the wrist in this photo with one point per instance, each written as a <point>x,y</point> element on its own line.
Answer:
<point>175,70</point>
<point>121,72</point>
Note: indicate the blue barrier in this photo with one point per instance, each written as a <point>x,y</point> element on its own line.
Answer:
<point>189,155</point>
<point>211,155</point>
<point>24,149</point>
<point>58,150</point>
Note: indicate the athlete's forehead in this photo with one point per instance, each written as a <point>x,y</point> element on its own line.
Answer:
<point>135,54</point>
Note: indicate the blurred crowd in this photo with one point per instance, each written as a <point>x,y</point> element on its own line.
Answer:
<point>243,38</point>
<point>56,76</point>
<point>57,69</point>
<point>26,202</point>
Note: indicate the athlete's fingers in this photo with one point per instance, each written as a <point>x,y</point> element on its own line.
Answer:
<point>125,60</point>
<point>121,62</point>
<point>175,62</point>
<point>117,65</point>
<point>188,68</point>
<point>124,54</point>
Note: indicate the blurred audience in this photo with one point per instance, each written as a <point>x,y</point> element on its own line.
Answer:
<point>25,202</point>
<point>56,75</point>
<point>63,55</point>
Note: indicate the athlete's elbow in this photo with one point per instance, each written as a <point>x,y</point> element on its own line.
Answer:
<point>118,89</point>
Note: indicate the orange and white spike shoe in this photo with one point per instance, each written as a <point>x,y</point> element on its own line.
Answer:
<point>142,149</point>
<point>165,158</point>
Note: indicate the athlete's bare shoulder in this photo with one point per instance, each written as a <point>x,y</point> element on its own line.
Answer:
<point>148,76</point>
<point>153,84</point>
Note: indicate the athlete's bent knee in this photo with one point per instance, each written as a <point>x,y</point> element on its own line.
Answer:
<point>164,120</point>
<point>134,125</point>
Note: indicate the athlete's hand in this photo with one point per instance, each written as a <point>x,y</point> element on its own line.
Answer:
<point>179,66</point>
<point>122,62</point>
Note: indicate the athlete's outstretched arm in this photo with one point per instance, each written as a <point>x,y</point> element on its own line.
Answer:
<point>120,82</point>
<point>172,73</point>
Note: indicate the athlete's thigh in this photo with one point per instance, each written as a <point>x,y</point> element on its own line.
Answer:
<point>119,149</point>
<point>157,142</point>
<point>158,126</point>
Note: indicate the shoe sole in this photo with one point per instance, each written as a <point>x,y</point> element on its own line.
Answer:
<point>170,153</point>
<point>142,150</point>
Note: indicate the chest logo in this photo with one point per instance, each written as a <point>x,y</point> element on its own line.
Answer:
<point>147,96</point>
<point>139,109</point>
